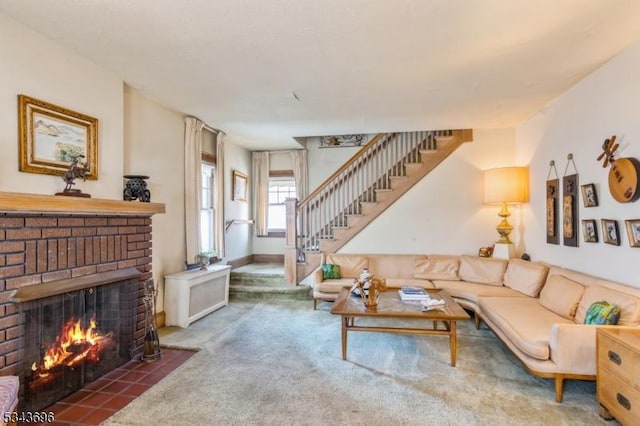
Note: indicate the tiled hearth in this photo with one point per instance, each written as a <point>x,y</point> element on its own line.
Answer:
<point>104,397</point>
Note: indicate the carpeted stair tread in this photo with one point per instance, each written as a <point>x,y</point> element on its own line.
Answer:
<point>300,292</point>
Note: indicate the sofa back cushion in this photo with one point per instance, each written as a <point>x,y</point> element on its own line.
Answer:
<point>525,277</point>
<point>393,265</point>
<point>350,264</point>
<point>561,295</point>
<point>629,304</point>
<point>482,270</point>
<point>437,267</point>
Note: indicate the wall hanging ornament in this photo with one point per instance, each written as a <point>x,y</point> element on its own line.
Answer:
<point>553,192</point>
<point>570,205</point>
<point>623,172</point>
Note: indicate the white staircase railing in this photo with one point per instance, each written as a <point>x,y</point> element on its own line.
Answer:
<point>356,182</point>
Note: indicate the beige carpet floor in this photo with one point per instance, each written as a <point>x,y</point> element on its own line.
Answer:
<point>279,363</point>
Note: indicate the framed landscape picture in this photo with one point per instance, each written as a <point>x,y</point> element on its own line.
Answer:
<point>589,231</point>
<point>51,137</point>
<point>240,186</point>
<point>610,233</point>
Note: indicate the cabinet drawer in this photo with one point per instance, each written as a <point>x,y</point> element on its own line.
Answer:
<point>622,401</point>
<point>619,359</point>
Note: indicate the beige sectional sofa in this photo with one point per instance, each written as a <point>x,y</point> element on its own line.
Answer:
<point>536,309</point>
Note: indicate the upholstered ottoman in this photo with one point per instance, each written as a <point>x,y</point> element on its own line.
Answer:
<point>9,386</point>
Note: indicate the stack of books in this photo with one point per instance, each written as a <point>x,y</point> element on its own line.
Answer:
<point>413,293</point>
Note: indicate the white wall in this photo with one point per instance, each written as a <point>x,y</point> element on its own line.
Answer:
<point>324,161</point>
<point>605,103</point>
<point>238,239</point>
<point>147,126</point>
<point>36,67</point>
<point>444,212</point>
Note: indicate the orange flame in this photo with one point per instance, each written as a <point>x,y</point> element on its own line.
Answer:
<point>72,345</point>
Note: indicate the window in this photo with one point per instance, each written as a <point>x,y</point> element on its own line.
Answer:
<point>280,188</point>
<point>207,207</point>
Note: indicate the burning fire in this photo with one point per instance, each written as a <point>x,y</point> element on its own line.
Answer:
<point>72,346</point>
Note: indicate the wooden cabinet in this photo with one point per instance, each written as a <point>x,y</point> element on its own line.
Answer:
<point>618,382</point>
<point>190,295</point>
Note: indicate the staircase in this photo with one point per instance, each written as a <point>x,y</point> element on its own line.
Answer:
<point>264,281</point>
<point>362,189</point>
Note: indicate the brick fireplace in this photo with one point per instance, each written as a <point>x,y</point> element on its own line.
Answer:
<point>45,239</point>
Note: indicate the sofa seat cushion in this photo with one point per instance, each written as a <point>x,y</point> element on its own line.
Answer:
<point>525,322</point>
<point>473,291</point>
<point>350,264</point>
<point>482,270</point>
<point>399,282</point>
<point>334,286</point>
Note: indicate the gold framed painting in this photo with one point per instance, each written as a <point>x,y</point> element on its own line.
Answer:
<point>51,137</point>
<point>240,186</point>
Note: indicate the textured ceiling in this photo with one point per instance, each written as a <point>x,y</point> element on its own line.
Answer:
<point>266,71</point>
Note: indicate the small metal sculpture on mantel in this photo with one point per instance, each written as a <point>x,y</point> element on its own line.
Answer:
<point>76,170</point>
<point>136,188</point>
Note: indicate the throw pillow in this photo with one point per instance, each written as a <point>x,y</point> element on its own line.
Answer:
<point>602,313</point>
<point>331,272</point>
<point>629,303</point>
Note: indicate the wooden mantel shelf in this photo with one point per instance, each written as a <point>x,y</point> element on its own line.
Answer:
<point>35,203</point>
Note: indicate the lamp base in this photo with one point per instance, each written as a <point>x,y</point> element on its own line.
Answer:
<point>504,251</point>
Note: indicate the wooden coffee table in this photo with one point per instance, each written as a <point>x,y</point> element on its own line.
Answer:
<point>392,308</point>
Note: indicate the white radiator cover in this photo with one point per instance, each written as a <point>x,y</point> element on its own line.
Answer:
<point>190,295</point>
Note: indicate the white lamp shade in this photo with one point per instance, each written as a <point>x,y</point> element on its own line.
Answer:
<point>506,185</point>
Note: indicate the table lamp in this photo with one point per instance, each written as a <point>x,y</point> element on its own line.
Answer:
<point>505,185</point>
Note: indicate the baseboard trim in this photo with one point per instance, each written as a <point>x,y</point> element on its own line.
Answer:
<point>160,319</point>
<point>261,258</point>
<point>268,258</point>
<point>236,263</point>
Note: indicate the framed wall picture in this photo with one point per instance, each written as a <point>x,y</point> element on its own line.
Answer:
<point>553,194</point>
<point>570,210</point>
<point>610,233</point>
<point>589,231</point>
<point>51,137</point>
<point>589,196</point>
<point>633,232</point>
<point>240,186</point>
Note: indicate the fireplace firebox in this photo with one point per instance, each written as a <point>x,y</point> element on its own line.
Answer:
<point>75,331</point>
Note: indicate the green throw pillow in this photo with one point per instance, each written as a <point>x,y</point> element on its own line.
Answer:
<point>602,313</point>
<point>330,271</point>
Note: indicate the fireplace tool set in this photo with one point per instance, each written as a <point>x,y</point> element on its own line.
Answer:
<point>151,350</point>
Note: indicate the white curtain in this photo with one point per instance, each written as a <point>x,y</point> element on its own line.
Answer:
<point>300,173</point>
<point>192,184</point>
<point>261,191</point>
<point>219,201</point>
